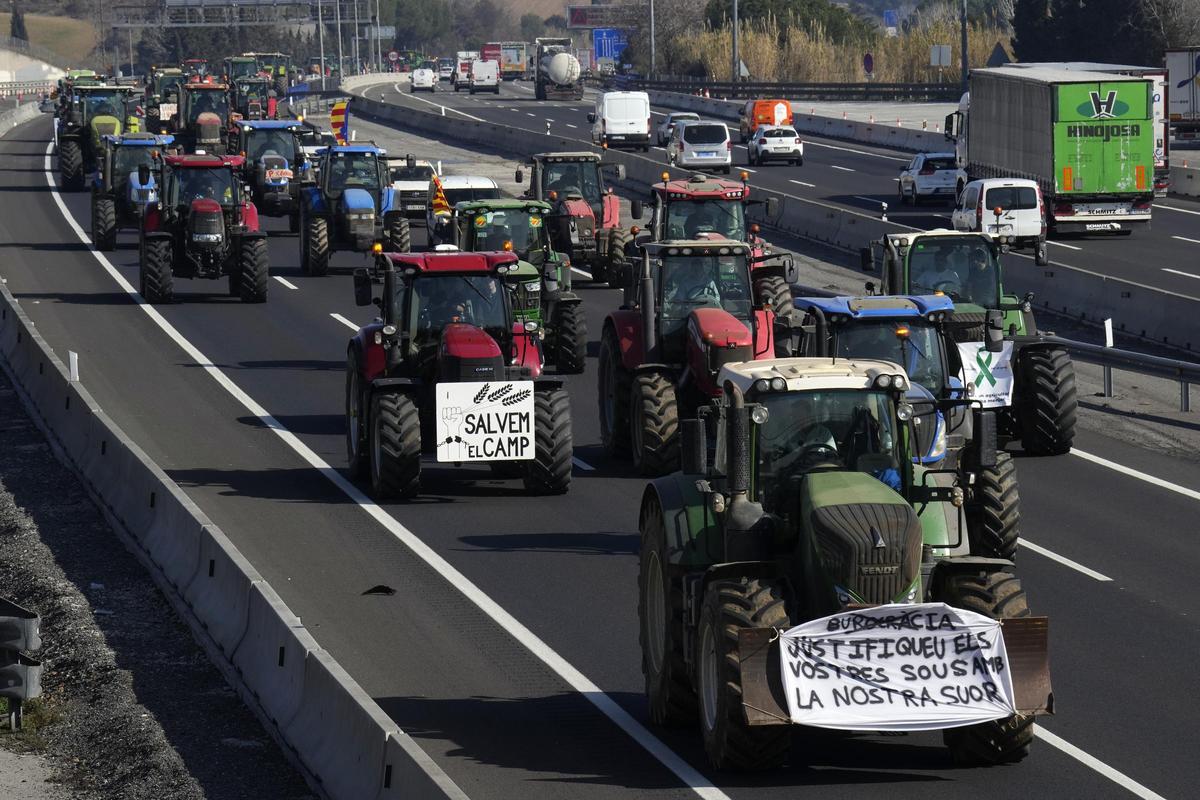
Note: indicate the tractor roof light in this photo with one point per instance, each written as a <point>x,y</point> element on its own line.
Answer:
<point>778,384</point>
<point>745,176</point>
<point>883,381</point>
<point>900,383</point>
<point>531,326</point>
<point>508,246</point>
<point>666,176</point>
<point>762,385</point>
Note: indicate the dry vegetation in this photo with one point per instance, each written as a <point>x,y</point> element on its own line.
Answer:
<point>74,39</point>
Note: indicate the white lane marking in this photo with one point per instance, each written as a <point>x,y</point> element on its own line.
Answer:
<point>690,777</point>
<point>569,125</point>
<point>808,142</point>
<point>583,465</point>
<point>1186,239</point>
<point>1177,272</point>
<point>1133,473</point>
<point>514,109</point>
<point>285,282</point>
<point>345,322</point>
<point>747,169</point>
<point>1075,565</point>
<point>1061,244</point>
<point>1180,210</point>
<point>658,113</point>
<point>1119,778</point>
<point>875,200</point>
<point>741,147</point>
<point>439,105</point>
<point>530,114</point>
<point>802,183</point>
<point>843,169</point>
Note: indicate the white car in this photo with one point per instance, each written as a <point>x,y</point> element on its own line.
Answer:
<point>445,68</point>
<point>458,189</point>
<point>929,175</point>
<point>668,124</point>
<point>410,180</point>
<point>1022,217</point>
<point>701,144</point>
<point>424,77</point>
<point>775,143</point>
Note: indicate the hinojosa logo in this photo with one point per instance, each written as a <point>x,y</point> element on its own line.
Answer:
<point>1106,107</point>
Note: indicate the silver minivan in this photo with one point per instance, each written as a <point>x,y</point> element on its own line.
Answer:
<point>700,144</point>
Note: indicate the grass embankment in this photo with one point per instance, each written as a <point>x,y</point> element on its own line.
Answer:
<point>72,39</point>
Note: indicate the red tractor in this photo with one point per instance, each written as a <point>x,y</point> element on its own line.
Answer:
<point>204,117</point>
<point>703,207</point>
<point>690,311</point>
<point>447,369</point>
<point>201,226</point>
<point>587,223</point>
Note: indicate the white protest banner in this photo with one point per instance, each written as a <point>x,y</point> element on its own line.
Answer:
<point>990,372</point>
<point>485,421</point>
<point>906,667</point>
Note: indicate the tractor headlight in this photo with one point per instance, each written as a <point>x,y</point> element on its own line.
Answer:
<point>904,412</point>
<point>762,385</point>
<point>760,415</point>
<point>937,450</point>
<point>361,216</point>
<point>210,238</point>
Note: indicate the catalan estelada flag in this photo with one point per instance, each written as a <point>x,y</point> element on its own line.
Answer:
<point>441,208</point>
<point>339,121</point>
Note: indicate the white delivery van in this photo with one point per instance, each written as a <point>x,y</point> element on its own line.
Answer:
<point>485,76</point>
<point>621,119</point>
<point>1009,208</point>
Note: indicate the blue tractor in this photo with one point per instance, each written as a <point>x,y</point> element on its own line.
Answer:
<point>119,198</point>
<point>351,207</point>
<point>954,432</point>
<point>276,167</point>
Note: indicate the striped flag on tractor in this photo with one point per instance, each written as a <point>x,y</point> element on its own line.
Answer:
<point>339,121</point>
<point>441,207</point>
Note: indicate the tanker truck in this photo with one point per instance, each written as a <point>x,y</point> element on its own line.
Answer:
<point>558,73</point>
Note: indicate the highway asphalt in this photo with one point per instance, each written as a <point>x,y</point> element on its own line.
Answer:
<point>526,707</point>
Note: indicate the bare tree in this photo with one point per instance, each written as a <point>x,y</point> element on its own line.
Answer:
<point>1175,23</point>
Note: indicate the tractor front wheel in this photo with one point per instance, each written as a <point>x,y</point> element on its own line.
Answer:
<point>655,424</point>
<point>70,165</point>
<point>618,261</point>
<point>997,595</point>
<point>729,741</point>
<point>156,277</point>
<point>550,470</point>
<point>669,691</point>
<point>398,235</point>
<point>395,434</point>
<point>104,222</point>
<point>994,518</point>
<point>570,338</point>
<point>1047,401</point>
<point>253,270</point>
<point>315,254</point>
<point>613,382</point>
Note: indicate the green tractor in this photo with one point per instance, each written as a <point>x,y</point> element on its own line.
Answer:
<point>95,110</point>
<point>162,99</point>
<point>1030,380</point>
<point>541,284</point>
<point>278,66</point>
<point>811,505</point>
<point>238,67</point>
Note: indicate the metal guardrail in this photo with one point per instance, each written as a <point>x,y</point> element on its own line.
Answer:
<point>1185,372</point>
<point>25,87</point>
<point>887,92</point>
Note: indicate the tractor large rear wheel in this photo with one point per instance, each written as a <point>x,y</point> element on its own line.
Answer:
<point>669,691</point>
<point>570,338</point>
<point>315,254</point>
<point>1047,401</point>
<point>254,271</point>
<point>994,518</point>
<point>398,235</point>
<point>618,261</point>
<point>728,740</point>
<point>773,291</point>
<point>156,278</point>
<point>356,427</point>
<point>654,423</point>
<point>395,435</point>
<point>613,381</point>
<point>997,595</point>
<point>70,165</point>
<point>104,222</point>
<point>550,470</point>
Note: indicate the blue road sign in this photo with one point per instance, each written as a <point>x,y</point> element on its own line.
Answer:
<point>891,19</point>
<point>608,43</point>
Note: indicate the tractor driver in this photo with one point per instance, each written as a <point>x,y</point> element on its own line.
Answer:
<point>692,284</point>
<point>702,220</point>
<point>209,184</point>
<point>981,277</point>
<point>943,277</point>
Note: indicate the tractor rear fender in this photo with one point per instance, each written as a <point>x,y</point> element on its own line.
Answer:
<point>957,565</point>
<point>151,236</point>
<point>392,386</point>
<point>694,540</point>
<point>627,325</point>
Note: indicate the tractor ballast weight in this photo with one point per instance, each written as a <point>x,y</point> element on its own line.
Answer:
<point>446,326</point>
<point>813,507</point>
<point>276,168</point>
<point>119,198</point>
<point>1042,409</point>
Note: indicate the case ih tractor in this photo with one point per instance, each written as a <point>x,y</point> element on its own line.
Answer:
<point>1040,411</point>
<point>702,207</point>
<point>204,117</point>
<point>691,311</point>
<point>351,207</point>
<point>119,198</point>
<point>253,98</point>
<point>162,99</point>
<point>95,110</point>
<point>814,507</point>
<point>447,369</point>
<point>201,227</point>
<point>587,224</point>
<point>275,167</point>
<point>541,287</point>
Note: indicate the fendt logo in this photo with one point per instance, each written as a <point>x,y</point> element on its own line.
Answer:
<point>1107,107</point>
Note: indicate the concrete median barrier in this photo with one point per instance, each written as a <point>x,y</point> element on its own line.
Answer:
<point>219,594</point>
<point>272,653</point>
<point>18,116</point>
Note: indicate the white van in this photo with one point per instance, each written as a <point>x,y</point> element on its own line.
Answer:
<point>485,76</point>
<point>621,119</point>
<point>700,144</point>
<point>1022,217</point>
<point>461,77</point>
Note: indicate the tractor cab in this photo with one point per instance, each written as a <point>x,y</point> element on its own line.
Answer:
<point>195,67</point>
<point>276,66</point>
<point>254,98</point>
<point>96,110</point>
<point>521,226</point>
<point>162,99</point>
<point>198,187</point>
<point>204,116</point>
<point>238,67</point>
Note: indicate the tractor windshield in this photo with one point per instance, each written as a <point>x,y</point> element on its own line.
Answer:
<point>417,172</point>
<point>689,282</point>
<point>242,69</point>
<point>573,177</point>
<point>493,228</point>
<point>208,101</point>
<point>102,104</point>
<point>842,429</point>
<point>127,159</point>
<point>196,183</point>
<point>274,141</point>
<point>962,267</point>
<point>253,90</point>
<point>169,83</point>
<point>436,301</point>
<point>689,219</point>
<point>913,344</point>
<point>353,170</point>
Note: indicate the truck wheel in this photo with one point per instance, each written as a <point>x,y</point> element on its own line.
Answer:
<point>654,423</point>
<point>356,428</point>
<point>398,234</point>
<point>613,382</point>
<point>254,271</point>
<point>70,165</point>
<point>550,470</point>
<point>994,519</point>
<point>618,261</point>
<point>315,260</point>
<point>570,338</point>
<point>1047,401</point>
<point>669,691</point>
<point>997,595</point>
<point>395,435</point>
<point>774,291</point>
<point>104,223</point>
<point>155,276</point>
<point>728,740</point>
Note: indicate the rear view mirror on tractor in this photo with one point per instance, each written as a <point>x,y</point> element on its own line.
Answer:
<point>866,259</point>
<point>362,287</point>
<point>635,209</point>
<point>791,273</point>
<point>520,176</point>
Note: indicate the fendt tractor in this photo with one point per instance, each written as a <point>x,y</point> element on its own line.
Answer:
<point>1030,381</point>
<point>204,117</point>
<point>586,226</point>
<point>119,198</point>
<point>238,67</point>
<point>94,110</point>
<point>541,287</point>
<point>162,99</point>
<point>690,311</point>
<point>701,207</point>
<point>447,369</point>
<point>813,510</point>
<point>201,227</point>
<point>351,207</point>
<point>275,169</point>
